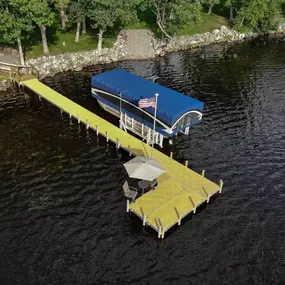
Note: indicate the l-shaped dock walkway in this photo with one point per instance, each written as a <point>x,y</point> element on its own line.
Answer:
<point>180,190</point>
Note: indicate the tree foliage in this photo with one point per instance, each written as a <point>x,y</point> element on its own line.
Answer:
<point>38,11</point>
<point>20,17</point>
<point>61,6</point>
<point>12,24</point>
<point>260,15</point>
<point>104,14</point>
<point>211,4</point>
<point>76,11</point>
<point>173,14</point>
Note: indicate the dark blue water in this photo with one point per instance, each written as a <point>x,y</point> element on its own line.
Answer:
<point>62,210</point>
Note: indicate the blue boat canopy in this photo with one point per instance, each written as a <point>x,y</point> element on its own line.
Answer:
<point>171,106</point>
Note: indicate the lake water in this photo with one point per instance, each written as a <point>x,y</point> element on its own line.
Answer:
<point>62,209</point>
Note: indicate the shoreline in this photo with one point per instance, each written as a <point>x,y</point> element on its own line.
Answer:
<point>126,47</point>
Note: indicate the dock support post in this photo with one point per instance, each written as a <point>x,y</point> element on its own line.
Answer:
<point>159,231</point>
<point>179,220</point>
<point>186,163</point>
<point>107,138</point>
<point>40,98</point>
<point>128,205</point>
<point>221,186</point>
<point>144,219</point>
<point>118,143</point>
<point>70,114</point>
<point>97,130</point>
<point>208,199</point>
<point>162,232</point>
<point>78,119</point>
<point>130,151</point>
<point>61,111</point>
<point>87,125</point>
<point>171,154</point>
<point>193,204</point>
<point>203,172</point>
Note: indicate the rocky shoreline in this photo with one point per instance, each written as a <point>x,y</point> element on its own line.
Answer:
<point>128,47</point>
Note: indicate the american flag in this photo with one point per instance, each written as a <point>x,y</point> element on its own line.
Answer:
<point>147,102</point>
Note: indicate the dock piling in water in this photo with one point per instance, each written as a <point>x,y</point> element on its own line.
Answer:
<point>144,219</point>
<point>128,205</point>
<point>118,143</point>
<point>221,183</point>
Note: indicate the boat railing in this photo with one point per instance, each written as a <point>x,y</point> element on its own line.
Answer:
<point>147,133</point>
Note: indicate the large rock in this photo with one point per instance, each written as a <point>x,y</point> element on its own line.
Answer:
<point>216,32</point>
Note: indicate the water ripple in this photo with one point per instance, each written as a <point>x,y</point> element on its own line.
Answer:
<point>62,211</point>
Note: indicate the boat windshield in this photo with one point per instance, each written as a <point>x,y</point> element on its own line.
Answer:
<point>187,120</point>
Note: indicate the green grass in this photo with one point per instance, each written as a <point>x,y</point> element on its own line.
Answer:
<point>137,25</point>
<point>4,77</point>
<point>57,38</point>
<point>56,44</point>
<point>208,24</point>
<point>16,78</point>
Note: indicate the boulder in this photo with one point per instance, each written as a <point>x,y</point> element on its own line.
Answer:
<point>216,32</point>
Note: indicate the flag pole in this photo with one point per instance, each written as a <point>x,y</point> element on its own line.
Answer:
<point>121,110</point>
<point>154,121</point>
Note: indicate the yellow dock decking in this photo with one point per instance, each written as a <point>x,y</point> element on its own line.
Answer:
<point>180,190</point>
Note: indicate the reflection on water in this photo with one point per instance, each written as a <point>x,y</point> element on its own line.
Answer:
<point>62,210</point>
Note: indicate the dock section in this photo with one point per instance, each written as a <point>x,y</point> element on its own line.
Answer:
<point>180,190</point>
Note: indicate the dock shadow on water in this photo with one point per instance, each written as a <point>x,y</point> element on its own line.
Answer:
<point>63,215</point>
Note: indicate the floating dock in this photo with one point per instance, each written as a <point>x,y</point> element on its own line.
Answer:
<point>180,190</point>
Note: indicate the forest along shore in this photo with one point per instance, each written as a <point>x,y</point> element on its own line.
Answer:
<point>128,47</point>
<point>67,32</point>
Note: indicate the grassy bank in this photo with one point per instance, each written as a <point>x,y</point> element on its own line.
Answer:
<point>208,24</point>
<point>62,42</point>
<point>17,78</point>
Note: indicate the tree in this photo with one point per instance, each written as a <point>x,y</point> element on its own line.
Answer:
<point>233,6</point>
<point>12,26</point>
<point>172,14</point>
<point>105,13</point>
<point>61,6</point>
<point>77,15</point>
<point>258,15</point>
<point>211,4</point>
<point>40,13</point>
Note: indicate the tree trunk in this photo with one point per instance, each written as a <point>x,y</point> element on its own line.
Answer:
<point>210,9</point>
<point>21,51</point>
<point>242,20</point>
<point>231,13</point>
<point>163,30</point>
<point>44,39</point>
<point>84,25</point>
<point>63,19</point>
<point>100,40</point>
<point>77,32</point>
